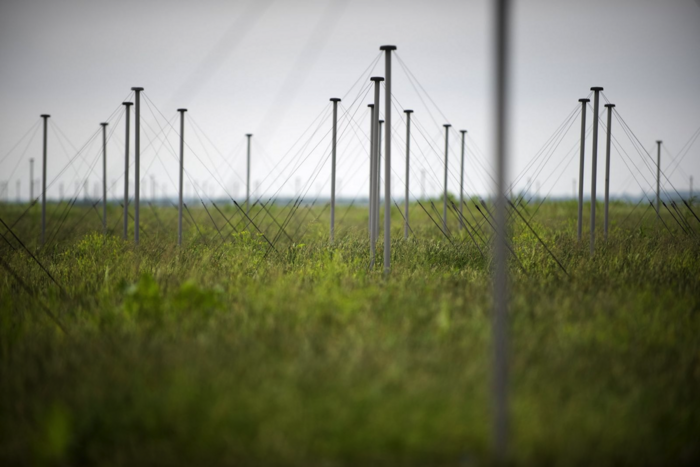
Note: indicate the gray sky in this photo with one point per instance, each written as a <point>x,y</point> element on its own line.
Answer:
<point>269,68</point>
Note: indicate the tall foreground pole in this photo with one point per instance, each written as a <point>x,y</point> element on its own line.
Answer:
<point>594,161</point>
<point>500,278</point>
<point>126,105</point>
<point>444,194</point>
<point>461,184</point>
<point>408,113</point>
<point>335,101</point>
<point>104,177</point>
<point>247,176</point>
<point>378,190</point>
<point>584,104</point>
<point>607,167</point>
<point>387,157</point>
<point>658,179</point>
<point>43,182</point>
<point>137,160</point>
<point>182,169</point>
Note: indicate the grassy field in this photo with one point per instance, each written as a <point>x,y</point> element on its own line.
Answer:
<point>231,353</point>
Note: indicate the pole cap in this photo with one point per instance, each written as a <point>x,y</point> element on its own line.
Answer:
<point>584,100</point>
<point>370,105</point>
<point>610,106</point>
<point>335,99</point>
<point>381,121</point>
<point>137,89</point>
<point>658,141</point>
<point>408,111</point>
<point>249,134</point>
<point>376,78</point>
<point>104,123</point>
<point>387,47</point>
<point>596,88</point>
<point>182,110</point>
<point>44,115</point>
<point>462,131</point>
<point>127,103</point>
<point>447,125</point>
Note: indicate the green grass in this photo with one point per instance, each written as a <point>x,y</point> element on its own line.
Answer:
<point>230,354</point>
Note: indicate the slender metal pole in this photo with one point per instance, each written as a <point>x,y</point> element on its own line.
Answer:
<point>126,105</point>
<point>43,182</point>
<point>378,189</point>
<point>371,175</point>
<point>335,101</point>
<point>104,177</point>
<point>387,156</point>
<point>461,184</point>
<point>444,194</point>
<point>500,279</point>
<point>607,168</point>
<point>137,160</point>
<point>247,176</point>
<point>31,180</point>
<point>422,183</point>
<point>658,179</point>
<point>375,151</point>
<point>19,186</point>
<point>594,161</point>
<point>691,189</point>
<point>408,113</point>
<point>182,170</point>
<point>584,104</point>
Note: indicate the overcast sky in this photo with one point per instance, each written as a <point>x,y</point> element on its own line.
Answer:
<point>269,68</point>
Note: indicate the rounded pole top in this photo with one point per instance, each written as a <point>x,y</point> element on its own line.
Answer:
<point>182,110</point>
<point>387,47</point>
<point>127,103</point>
<point>408,111</point>
<point>335,99</point>
<point>610,106</point>
<point>584,100</point>
<point>137,89</point>
<point>249,134</point>
<point>104,123</point>
<point>45,115</point>
<point>447,125</point>
<point>596,88</point>
<point>462,131</point>
<point>658,141</point>
<point>376,78</point>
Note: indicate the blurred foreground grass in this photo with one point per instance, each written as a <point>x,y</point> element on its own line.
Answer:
<point>230,354</point>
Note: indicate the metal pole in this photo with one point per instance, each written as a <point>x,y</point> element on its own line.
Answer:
<point>408,161</point>
<point>658,179</point>
<point>31,180</point>
<point>126,170</point>
<point>104,177</point>
<point>387,157</point>
<point>247,177</point>
<point>422,180</point>
<point>43,182</point>
<point>182,169</point>
<point>444,194</point>
<point>19,186</point>
<point>371,176</point>
<point>584,104</point>
<point>594,161</point>
<point>375,160</point>
<point>607,168</point>
<point>378,189</point>
<point>335,101</point>
<point>461,184</point>
<point>137,160</point>
<point>500,279</point>
<point>691,189</point>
